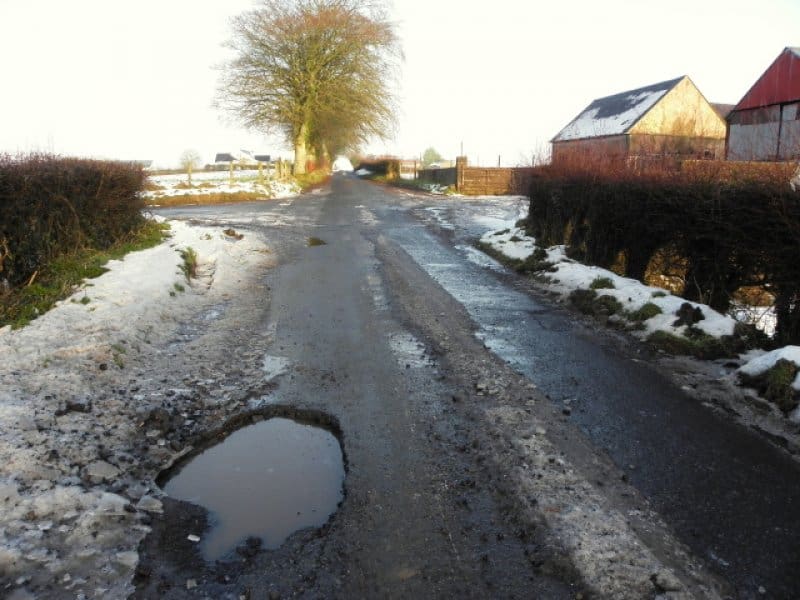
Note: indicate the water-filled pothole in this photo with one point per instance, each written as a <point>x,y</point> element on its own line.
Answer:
<point>266,480</point>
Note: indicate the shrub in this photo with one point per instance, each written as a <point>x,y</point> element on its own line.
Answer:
<point>536,262</point>
<point>697,343</point>
<point>645,312</point>
<point>602,283</point>
<point>583,300</point>
<point>51,207</point>
<point>190,263</point>
<point>718,234</point>
<point>607,305</point>
<point>775,384</point>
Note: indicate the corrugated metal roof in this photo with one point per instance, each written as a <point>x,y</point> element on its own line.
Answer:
<point>780,83</point>
<point>616,114</point>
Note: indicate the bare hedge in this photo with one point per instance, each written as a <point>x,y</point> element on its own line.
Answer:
<point>727,232</point>
<point>51,206</point>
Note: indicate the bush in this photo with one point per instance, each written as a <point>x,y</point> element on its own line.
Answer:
<point>645,312</point>
<point>775,384</point>
<point>51,207</point>
<point>602,283</point>
<point>724,233</point>
<point>190,263</point>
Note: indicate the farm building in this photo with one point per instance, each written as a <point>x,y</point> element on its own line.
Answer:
<point>765,125</point>
<point>243,158</point>
<point>669,119</point>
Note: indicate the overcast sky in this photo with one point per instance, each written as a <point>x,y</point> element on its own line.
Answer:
<point>136,80</point>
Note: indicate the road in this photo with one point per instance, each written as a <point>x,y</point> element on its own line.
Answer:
<point>447,378</point>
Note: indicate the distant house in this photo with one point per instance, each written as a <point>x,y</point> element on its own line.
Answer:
<point>243,159</point>
<point>224,158</point>
<point>765,125</point>
<point>667,119</point>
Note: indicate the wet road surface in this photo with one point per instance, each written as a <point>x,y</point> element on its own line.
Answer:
<point>405,528</point>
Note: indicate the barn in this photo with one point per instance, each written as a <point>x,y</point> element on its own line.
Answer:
<point>670,119</point>
<point>765,124</point>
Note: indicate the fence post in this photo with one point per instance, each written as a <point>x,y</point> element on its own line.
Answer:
<point>461,165</point>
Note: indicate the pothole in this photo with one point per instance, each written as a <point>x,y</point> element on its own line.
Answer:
<point>264,481</point>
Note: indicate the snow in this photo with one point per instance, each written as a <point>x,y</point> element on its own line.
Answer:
<point>588,124</point>
<point>512,242</point>
<point>761,364</point>
<point>218,182</point>
<point>614,115</point>
<point>568,275</point>
<point>58,520</point>
<point>342,163</point>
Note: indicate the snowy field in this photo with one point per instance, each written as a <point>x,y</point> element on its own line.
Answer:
<point>66,434</point>
<point>218,182</point>
<point>567,275</point>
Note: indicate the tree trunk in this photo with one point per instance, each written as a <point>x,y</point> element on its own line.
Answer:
<point>300,150</point>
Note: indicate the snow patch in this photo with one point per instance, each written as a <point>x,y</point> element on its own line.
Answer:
<point>59,524</point>
<point>762,364</point>
<point>567,275</point>
<point>590,124</point>
<point>219,182</point>
<point>275,366</point>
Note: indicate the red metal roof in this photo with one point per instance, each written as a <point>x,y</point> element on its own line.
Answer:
<point>780,82</point>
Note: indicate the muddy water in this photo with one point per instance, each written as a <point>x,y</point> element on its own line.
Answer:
<point>266,480</point>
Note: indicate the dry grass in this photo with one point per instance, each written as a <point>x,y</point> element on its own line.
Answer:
<point>211,198</point>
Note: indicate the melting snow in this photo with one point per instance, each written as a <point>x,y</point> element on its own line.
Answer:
<point>58,522</point>
<point>568,275</point>
<point>219,182</point>
<point>756,366</point>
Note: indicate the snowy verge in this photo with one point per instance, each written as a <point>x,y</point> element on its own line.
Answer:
<point>565,275</point>
<point>219,182</point>
<point>643,310</point>
<point>67,520</point>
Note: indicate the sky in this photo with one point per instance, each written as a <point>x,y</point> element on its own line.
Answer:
<point>124,80</point>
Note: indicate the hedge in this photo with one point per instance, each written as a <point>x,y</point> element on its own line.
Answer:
<point>51,206</point>
<point>727,233</point>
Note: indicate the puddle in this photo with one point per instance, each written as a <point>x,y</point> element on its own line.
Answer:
<point>266,480</point>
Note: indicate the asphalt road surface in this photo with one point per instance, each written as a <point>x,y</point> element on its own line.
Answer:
<point>446,378</point>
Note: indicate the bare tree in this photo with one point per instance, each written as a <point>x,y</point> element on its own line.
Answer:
<point>190,160</point>
<point>431,156</point>
<point>318,71</point>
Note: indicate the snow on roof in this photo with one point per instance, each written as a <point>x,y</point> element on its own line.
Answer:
<point>796,50</point>
<point>614,115</point>
<point>247,156</point>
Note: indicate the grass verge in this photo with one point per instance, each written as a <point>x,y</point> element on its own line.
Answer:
<point>59,278</point>
<point>309,181</point>
<point>535,263</point>
<point>203,199</point>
